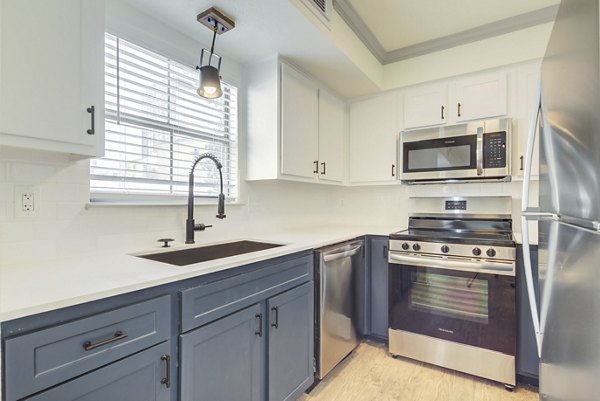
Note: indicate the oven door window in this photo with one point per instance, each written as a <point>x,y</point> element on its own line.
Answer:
<point>457,153</point>
<point>470,308</point>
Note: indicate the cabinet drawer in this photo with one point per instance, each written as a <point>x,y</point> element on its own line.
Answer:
<point>211,301</point>
<point>50,356</point>
<point>141,377</point>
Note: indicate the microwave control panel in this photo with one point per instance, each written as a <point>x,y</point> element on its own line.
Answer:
<point>494,150</point>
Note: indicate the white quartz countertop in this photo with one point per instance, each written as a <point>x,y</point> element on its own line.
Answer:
<point>41,286</point>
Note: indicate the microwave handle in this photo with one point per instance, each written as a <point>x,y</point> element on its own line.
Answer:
<point>479,151</point>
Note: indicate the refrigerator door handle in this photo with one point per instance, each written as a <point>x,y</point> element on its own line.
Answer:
<point>529,281</point>
<point>530,145</point>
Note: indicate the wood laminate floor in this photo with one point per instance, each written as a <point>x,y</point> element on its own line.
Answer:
<point>370,374</point>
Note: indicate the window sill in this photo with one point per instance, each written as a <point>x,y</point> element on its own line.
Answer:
<point>102,203</point>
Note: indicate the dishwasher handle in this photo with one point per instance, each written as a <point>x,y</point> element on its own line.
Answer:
<point>343,252</point>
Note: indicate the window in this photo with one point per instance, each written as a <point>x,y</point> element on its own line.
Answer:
<point>156,125</point>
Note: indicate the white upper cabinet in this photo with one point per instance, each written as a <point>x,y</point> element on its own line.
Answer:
<point>373,140</point>
<point>426,106</point>
<point>475,97</point>
<point>332,118</point>
<point>528,78</point>
<point>480,96</point>
<point>299,124</point>
<point>52,71</point>
<point>296,129</point>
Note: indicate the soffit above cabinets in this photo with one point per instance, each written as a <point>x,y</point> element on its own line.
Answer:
<point>399,29</point>
<point>263,28</point>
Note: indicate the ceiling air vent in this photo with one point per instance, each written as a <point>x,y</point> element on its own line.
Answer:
<point>321,8</point>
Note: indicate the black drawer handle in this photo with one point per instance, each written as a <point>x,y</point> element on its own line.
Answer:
<point>259,332</point>
<point>443,112</point>
<point>459,106</point>
<point>323,165</point>
<point>521,162</point>
<point>385,251</point>
<point>92,111</point>
<point>316,170</point>
<point>275,310</point>
<point>167,379</point>
<point>119,335</point>
<point>393,170</point>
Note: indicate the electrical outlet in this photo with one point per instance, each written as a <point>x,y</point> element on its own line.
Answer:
<point>26,202</point>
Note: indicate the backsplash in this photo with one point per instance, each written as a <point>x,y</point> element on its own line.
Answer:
<point>68,225</point>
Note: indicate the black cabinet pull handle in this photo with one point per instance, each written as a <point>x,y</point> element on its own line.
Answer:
<point>443,112</point>
<point>323,172</point>
<point>393,170</point>
<point>275,310</point>
<point>385,251</point>
<point>119,335</point>
<point>316,170</point>
<point>521,162</point>
<point>167,379</point>
<point>260,324</point>
<point>92,111</point>
<point>459,105</point>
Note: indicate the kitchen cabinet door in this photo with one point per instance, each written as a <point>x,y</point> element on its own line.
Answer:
<point>373,140</point>
<point>480,96</point>
<point>52,71</point>
<point>379,286</point>
<point>291,343</point>
<point>528,362</point>
<point>224,360</point>
<point>426,106</point>
<point>528,79</point>
<point>141,377</point>
<point>299,125</point>
<point>332,116</point>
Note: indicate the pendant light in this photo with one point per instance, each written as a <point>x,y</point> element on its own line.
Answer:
<point>210,76</point>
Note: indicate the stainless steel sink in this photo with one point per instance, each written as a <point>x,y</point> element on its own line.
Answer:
<point>210,252</point>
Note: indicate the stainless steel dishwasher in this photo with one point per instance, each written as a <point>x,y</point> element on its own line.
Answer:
<point>339,293</point>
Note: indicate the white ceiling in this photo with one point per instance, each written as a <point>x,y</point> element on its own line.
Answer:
<point>264,28</point>
<point>267,27</point>
<point>400,23</point>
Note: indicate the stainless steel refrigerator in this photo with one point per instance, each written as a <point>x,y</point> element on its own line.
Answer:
<point>566,316</point>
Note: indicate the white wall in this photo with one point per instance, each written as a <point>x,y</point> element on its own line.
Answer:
<point>511,48</point>
<point>66,225</point>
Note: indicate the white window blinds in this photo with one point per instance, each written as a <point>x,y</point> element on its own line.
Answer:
<point>156,125</point>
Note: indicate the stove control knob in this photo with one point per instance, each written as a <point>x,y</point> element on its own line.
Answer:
<point>405,246</point>
<point>476,251</point>
<point>416,247</point>
<point>491,252</point>
<point>445,249</point>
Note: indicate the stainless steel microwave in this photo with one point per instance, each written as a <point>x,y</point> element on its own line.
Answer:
<point>476,151</point>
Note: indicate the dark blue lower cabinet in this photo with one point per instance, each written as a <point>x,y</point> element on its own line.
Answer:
<point>379,286</point>
<point>224,360</point>
<point>141,377</point>
<point>291,343</point>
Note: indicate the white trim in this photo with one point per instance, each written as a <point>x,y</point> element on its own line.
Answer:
<point>497,28</point>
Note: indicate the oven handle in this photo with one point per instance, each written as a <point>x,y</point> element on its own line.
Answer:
<point>479,151</point>
<point>503,268</point>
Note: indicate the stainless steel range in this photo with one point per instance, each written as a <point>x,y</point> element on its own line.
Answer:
<point>452,291</point>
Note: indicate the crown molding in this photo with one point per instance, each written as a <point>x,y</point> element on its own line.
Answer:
<point>504,26</point>
<point>360,29</point>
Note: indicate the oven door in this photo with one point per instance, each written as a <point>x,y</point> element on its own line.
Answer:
<point>466,307</point>
<point>442,158</point>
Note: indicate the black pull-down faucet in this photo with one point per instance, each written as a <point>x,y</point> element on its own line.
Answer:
<point>190,225</point>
